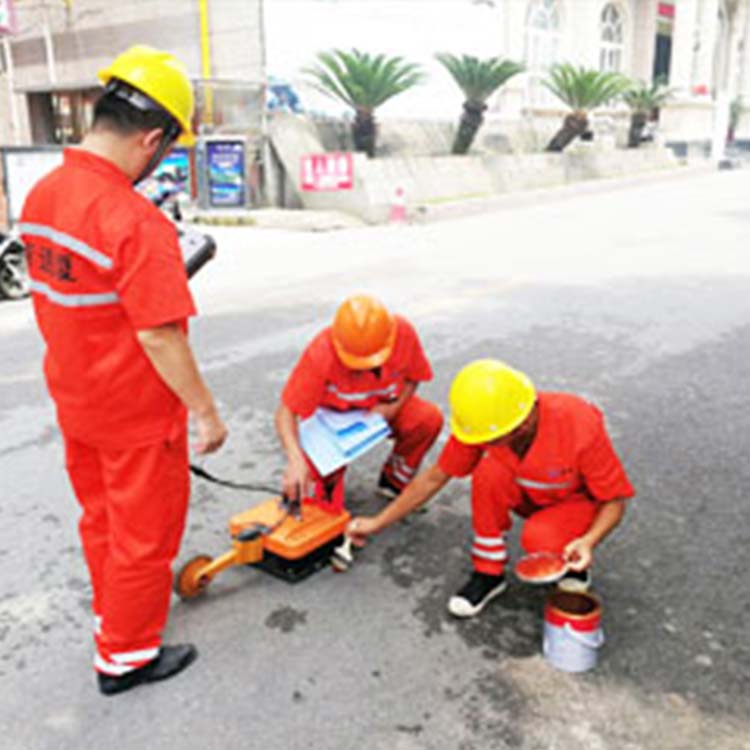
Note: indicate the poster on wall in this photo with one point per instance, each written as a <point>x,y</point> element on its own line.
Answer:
<point>22,169</point>
<point>225,161</point>
<point>7,18</point>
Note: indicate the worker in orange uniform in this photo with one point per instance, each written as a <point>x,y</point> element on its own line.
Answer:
<point>111,300</point>
<point>368,359</point>
<point>543,456</point>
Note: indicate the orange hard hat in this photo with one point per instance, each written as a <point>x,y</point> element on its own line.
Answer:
<point>363,332</point>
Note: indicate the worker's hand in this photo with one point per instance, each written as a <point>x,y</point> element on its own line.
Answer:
<point>296,478</point>
<point>388,411</point>
<point>212,432</point>
<point>579,553</point>
<point>359,529</point>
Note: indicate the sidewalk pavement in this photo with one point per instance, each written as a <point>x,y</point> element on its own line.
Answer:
<point>324,221</point>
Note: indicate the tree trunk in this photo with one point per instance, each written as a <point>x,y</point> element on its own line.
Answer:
<point>637,124</point>
<point>471,120</point>
<point>574,124</point>
<point>364,132</point>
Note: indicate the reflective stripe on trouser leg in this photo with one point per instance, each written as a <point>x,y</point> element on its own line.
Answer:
<point>493,494</point>
<point>147,494</point>
<point>415,429</point>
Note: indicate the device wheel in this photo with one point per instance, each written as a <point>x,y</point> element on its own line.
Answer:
<point>188,583</point>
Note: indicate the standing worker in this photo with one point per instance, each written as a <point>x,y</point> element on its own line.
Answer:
<point>543,456</point>
<point>368,359</point>
<point>111,300</point>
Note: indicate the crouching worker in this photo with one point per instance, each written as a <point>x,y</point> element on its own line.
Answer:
<point>368,359</point>
<point>544,456</point>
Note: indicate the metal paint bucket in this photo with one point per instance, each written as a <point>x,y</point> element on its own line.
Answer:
<point>572,630</point>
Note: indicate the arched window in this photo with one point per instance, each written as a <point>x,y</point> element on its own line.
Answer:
<point>612,39</point>
<point>542,47</point>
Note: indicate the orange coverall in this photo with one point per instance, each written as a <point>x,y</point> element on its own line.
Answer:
<point>569,469</point>
<point>105,263</point>
<point>321,379</point>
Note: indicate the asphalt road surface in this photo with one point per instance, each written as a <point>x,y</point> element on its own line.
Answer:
<point>637,297</point>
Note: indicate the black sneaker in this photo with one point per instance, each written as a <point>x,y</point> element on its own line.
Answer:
<point>575,581</point>
<point>386,488</point>
<point>471,598</point>
<point>170,661</point>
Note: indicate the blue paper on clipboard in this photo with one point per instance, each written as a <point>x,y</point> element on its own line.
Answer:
<point>333,439</point>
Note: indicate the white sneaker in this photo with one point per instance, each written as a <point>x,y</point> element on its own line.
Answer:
<point>473,596</point>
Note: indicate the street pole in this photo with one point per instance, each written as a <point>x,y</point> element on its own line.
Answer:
<point>15,123</point>
<point>723,100</point>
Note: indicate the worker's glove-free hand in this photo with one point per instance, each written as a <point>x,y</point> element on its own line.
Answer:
<point>211,433</point>
<point>578,554</point>
<point>296,481</point>
<point>360,529</point>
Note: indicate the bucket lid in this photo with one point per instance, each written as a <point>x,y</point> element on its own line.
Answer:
<point>541,567</point>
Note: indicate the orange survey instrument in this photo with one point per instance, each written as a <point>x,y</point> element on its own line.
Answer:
<point>287,540</point>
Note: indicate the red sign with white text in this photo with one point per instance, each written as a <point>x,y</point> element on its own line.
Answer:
<point>320,172</point>
<point>666,10</point>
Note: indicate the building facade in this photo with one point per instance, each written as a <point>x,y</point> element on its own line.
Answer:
<point>702,47</point>
<point>48,63</point>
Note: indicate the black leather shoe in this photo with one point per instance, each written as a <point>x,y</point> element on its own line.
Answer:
<point>170,661</point>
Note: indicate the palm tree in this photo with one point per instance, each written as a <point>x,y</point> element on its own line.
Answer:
<point>478,79</point>
<point>363,82</point>
<point>643,100</point>
<point>582,90</point>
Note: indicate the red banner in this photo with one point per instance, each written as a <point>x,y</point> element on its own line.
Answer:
<point>666,10</point>
<point>321,172</point>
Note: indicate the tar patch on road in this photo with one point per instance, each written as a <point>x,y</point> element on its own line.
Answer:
<point>286,619</point>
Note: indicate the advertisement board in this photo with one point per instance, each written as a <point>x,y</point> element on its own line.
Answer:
<point>327,172</point>
<point>22,169</point>
<point>225,165</point>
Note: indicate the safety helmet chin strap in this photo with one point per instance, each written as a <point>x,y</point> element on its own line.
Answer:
<point>169,136</point>
<point>140,101</point>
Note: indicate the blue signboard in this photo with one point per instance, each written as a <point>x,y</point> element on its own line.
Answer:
<point>226,172</point>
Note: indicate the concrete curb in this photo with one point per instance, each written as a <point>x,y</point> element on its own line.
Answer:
<point>426,212</point>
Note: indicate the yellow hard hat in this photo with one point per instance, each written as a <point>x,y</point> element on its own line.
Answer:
<point>488,399</point>
<point>162,78</point>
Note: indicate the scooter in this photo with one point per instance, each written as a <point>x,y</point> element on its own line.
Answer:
<point>14,277</point>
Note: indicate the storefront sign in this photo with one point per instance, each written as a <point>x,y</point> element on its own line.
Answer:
<point>225,162</point>
<point>321,172</point>
<point>7,17</point>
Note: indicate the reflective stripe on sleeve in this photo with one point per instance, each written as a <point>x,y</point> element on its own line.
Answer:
<point>69,243</point>
<point>74,300</point>
<point>534,485</point>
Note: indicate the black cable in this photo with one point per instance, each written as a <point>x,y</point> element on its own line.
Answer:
<point>203,474</point>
